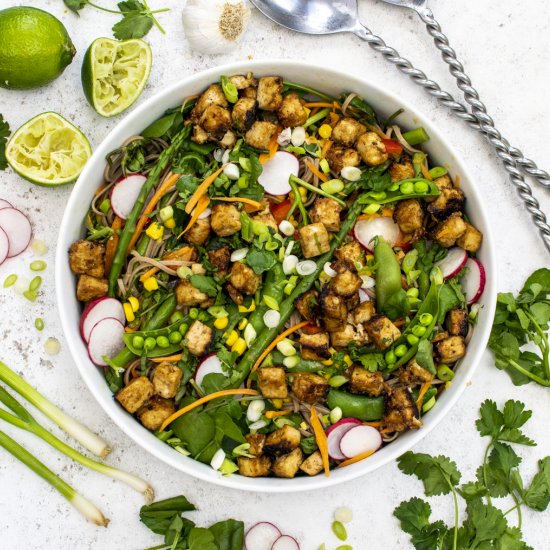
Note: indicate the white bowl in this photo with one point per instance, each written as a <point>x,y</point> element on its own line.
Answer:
<point>332,82</point>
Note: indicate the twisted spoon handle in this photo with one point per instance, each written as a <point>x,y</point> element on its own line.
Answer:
<point>472,97</point>
<point>420,78</point>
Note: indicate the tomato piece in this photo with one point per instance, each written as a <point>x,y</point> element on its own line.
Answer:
<point>280,210</point>
<point>392,147</point>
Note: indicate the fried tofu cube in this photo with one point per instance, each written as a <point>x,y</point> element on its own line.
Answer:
<point>350,253</point>
<point>198,338</point>
<point>401,410</point>
<point>200,135</point>
<point>450,349</point>
<point>340,157</point>
<point>327,212</point>
<point>448,231</point>
<point>308,305</point>
<point>267,219</point>
<point>270,93</point>
<point>234,294</point>
<point>256,442</point>
<point>215,121</point>
<point>155,412</point>
<point>382,331</point>
<point>409,215</point>
<point>412,374</point>
<point>188,295</point>
<point>244,113</point>
<point>345,284</point>
<point>89,288</point>
<point>333,306</point>
<point>372,149</point>
<point>470,239</point>
<point>87,258</point>
<point>334,325</point>
<point>401,170</point>
<point>225,220</point>
<point>213,95</point>
<point>363,312</point>
<point>228,140</point>
<point>282,441</point>
<point>135,394</point>
<point>250,92</point>
<point>242,81</point>
<point>347,130</point>
<point>456,322</point>
<point>258,466</point>
<point>166,379</point>
<point>364,381</point>
<point>220,258</point>
<point>244,279</point>
<point>314,240</point>
<point>260,134</point>
<point>309,388</point>
<point>287,465</point>
<point>342,338</point>
<point>314,347</point>
<point>199,232</point>
<point>449,201</point>
<point>292,112</point>
<point>272,382</point>
<point>313,464</point>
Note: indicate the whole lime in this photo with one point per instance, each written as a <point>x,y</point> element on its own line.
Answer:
<point>35,48</point>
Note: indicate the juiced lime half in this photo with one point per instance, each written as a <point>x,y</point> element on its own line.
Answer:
<point>114,74</point>
<point>48,150</point>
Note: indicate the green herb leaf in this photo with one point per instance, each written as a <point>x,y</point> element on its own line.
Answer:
<point>132,25</point>
<point>4,134</point>
<point>414,515</point>
<point>472,490</point>
<point>228,534</point>
<point>491,419</point>
<point>159,515</point>
<point>537,495</point>
<point>424,356</point>
<point>485,521</point>
<point>205,284</point>
<point>260,260</point>
<point>75,5</point>
<point>201,539</point>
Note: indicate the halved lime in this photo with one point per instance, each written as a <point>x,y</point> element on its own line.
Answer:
<point>114,73</point>
<point>48,150</point>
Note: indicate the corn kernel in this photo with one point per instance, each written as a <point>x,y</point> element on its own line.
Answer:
<point>308,111</point>
<point>277,403</point>
<point>287,400</point>
<point>244,309</point>
<point>155,231</point>
<point>347,360</point>
<point>221,323</point>
<point>325,131</point>
<point>134,302</point>
<point>303,425</point>
<point>128,312</point>
<point>239,346</point>
<point>303,194</point>
<point>327,362</point>
<point>242,324</point>
<point>150,284</point>
<point>170,223</point>
<point>232,338</point>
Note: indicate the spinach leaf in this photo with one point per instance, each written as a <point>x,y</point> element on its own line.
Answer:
<point>201,539</point>
<point>424,356</point>
<point>196,429</point>
<point>260,260</point>
<point>159,515</point>
<point>228,534</point>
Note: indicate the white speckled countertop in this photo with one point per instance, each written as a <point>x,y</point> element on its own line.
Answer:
<point>504,45</point>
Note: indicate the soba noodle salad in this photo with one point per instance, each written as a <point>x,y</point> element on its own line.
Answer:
<point>276,281</point>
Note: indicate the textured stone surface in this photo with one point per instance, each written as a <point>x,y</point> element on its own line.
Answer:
<point>502,44</point>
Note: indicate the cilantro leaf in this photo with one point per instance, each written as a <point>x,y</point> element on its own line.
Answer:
<point>485,521</point>
<point>537,495</point>
<point>260,260</point>
<point>472,490</point>
<point>413,514</point>
<point>132,25</point>
<point>205,284</point>
<point>4,134</point>
<point>491,419</point>
<point>75,5</point>
<point>511,540</point>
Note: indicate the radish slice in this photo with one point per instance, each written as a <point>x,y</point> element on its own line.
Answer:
<point>285,542</point>
<point>366,230</point>
<point>211,364</point>
<point>125,193</point>
<point>261,536</point>
<point>360,439</point>
<point>473,282</point>
<point>363,296</point>
<point>276,171</point>
<point>453,262</point>
<point>105,340</point>
<point>335,434</point>
<point>97,310</point>
<point>4,246</point>
<point>5,204</point>
<point>17,228</point>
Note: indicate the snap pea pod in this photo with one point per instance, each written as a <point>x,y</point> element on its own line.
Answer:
<point>388,279</point>
<point>157,351</point>
<point>305,365</point>
<point>361,407</point>
<point>142,244</point>
<point>274,286</point>
<point>397,195</point>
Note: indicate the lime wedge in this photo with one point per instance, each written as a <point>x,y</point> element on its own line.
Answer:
<point>114,74</point>
<point>48,150</point>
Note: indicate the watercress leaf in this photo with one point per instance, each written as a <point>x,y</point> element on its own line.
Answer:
<point>541,277</point>
<point>132,25</point>
<point>541,313</point>
<point>523,319</point>
<point>491,419</point>
<point>4,134</point>
<point>228,535</point>
<point>537,495</point>
<point>201,539</point>
<point>514,414</point>
<point>75,5</point>
<point>260,260</point>
<point>486,521</point>
<point>437,473</point>
<point>159,515</point>
<point>414,515</point>
<point>472,490</point>
<point>205,284</point>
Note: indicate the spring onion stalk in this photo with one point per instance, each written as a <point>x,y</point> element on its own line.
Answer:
<point>81,433</point>
<point>298,200</point>
<point>84,506</point>
<point>312,91</point>
<point>313,189</point>
<point>315,118</point>
<point>26,421</point>
<point>416,136</point>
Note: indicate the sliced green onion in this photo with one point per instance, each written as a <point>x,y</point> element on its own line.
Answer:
<point>409,261</point>
<point>242,450</point>
<point>333,186</point>
<point>39,323</point>
<point>335,416</point>
<point>228,467</point>
<point>166,213</point>
<point>344,547</point>
<point>323,164</point>
<point>372,209</point>
<point>229,89</point>
<point>291,362</point>
<point>30,295</point>
<point>184,271</point>
<point>337,381</point>
<point>444,373</point>
<point>218,312</point>
<point>271,245</point>
<point>10,280</point>
<point>38,265</point>
<point>105,206</point>
<point>271,302</point>
<point>437,172</point>
<point>35,283</point>
<point>39,247</point>
<point>343,514</point>
<point>429,404</point>
<point>339,530</point>
<point>416,136</point>
<point>245,164</point>
<point>286,347</point>
<point>52,346</point>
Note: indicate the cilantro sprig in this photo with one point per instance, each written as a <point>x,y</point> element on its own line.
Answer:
<point>484,525</point>
<point>137,18</point>
<point>4,134</point>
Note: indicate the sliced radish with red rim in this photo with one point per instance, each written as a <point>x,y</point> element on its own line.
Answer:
<point>125,193</point>
<point>97,310</point>
<point>473,282</point>
<point>4,246</point>
<point>105,340</point>
<point>365,231</point>
<point>261,536</point>
<point>17,228</point>
<point>335,434</point>
<point>453,262</point>
<point>286,542</point>
<point>276,172</point>
<point>359,440</point>
<point>5,204</point>
<point>211,364</point>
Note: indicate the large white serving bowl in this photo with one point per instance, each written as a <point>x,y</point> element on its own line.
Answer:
<point>332,82</point>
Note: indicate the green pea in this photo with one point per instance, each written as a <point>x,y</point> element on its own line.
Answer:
<point>393,187</point>
<point>407,188</point>
<point>337,381</point>
<point>150,343</point>
<point>390,357</point>
<point>138,342</point>
<point>163,342</point>
<point>412,339</point>
<point>176,316</point>
<point>412,292</point>
<point>401,350</point>
<point>444,373</point>
<point>184,327</point>
<point>426,319</point>
<point>193,313</point>
<point>378,196</point>
<point>339,530</point>
<point>203,316</point>
<point>421,187</point>
<point>175,337</point>
<point>419,331</point>
<point>39,323</point>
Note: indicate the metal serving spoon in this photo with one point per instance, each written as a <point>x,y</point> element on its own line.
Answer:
<point>336,16</point>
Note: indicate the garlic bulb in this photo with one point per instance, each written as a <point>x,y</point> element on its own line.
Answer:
<point>215,26</point>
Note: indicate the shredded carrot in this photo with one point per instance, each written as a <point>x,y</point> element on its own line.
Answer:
<point>176,357</point>
<point>257,205</point>
<point>312,104</point>
<point>279,338</point>
<point>203,400</point>
<point>374,424</point>
<point>425,387</point>
<point>334,118</point>
<point>355,459</point>
<point>112,243</point>
<point>202,205</point>
<point>159,193</point>
<point>100,189</point>
<point>318,173</point>
<point>272,147</point>
<point>382,213</point>
<point>185,254</point>
<point>314,111</point>
<point>128,329</point>
<point>320,438</point>
<point>275,414</point>
<point>201,190</point>
<point>425,172</point>
<point>326,148</point>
